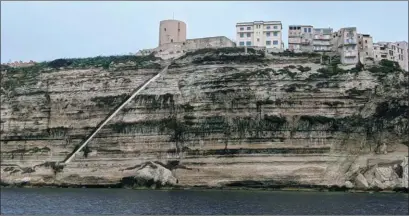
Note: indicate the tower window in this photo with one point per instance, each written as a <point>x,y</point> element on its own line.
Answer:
<point>171,40</point>
<point>165,29</point>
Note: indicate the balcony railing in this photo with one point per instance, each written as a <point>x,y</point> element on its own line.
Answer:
<point>350,53</point>
<point>349,41</point>
<point>322,43</point>
<point>322,37</point>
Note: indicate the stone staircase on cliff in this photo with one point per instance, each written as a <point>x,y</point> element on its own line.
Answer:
<point>110,116</point>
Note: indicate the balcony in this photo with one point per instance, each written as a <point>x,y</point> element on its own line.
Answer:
<point>322,43</point>
<point>305,42</point>
<point>322,37</point>
<point>349,41</point>
<point>349,54</point>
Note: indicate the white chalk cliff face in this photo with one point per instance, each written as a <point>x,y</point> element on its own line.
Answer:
<point>216,119</point>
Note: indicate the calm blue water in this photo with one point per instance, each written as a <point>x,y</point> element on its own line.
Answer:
<point>125,201</point>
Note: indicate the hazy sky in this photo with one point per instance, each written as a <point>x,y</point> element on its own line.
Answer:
<point>49,30</point>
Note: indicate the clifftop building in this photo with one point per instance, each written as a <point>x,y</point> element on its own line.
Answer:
<point>365,47</point>
<point>394,51</point>
<point>20,63</point>
<point>300,38</point>
<point>345,43</point>
<point>262,34</point>
<point>173,42</point>
<point>172,31</point>
<point>322,40</point>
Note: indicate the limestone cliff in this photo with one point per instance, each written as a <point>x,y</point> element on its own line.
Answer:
<point>217,117</point>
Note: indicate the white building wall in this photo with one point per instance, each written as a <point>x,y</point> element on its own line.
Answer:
<point>263,34</point>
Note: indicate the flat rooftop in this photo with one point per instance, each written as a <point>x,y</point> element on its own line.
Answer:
<point>258,22</point>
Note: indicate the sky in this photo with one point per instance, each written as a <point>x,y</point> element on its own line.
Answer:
<point>43,31</point>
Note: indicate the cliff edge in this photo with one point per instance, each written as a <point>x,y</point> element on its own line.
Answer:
<point>217,118</point>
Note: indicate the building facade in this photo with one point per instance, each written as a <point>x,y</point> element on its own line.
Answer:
<point>300,38</point>
<point>20,63</point>
<point>322,40</point>
<point>263,34</point>
<point>172,31</point>
<point>365,47</point>
<point>345,43</point>
<point>173,42</point>
<point>394,51</point>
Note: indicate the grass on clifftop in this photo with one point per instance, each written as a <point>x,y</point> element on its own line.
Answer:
<point>26,76</point>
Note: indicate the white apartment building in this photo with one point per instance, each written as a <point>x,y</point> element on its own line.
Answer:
<point>345,43</point>
<point>263,34</point>
<point>300,38</point>
<point>394,51</point>
<point>365,47</point>
<point>322,41</point>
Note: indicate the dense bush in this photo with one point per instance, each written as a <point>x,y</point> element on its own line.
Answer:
<point>385,67</point>
<point>294,54</point>
<point>100,61</point>
<point>303,69</point>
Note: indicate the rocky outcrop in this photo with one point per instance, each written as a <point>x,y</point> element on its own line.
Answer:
<point>227,117</point>
<point>150,174</point>
<point>405,169</point>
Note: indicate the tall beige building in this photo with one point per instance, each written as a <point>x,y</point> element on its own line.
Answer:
<point>345,43</point>
<point>172,31</point>
<point>394,51</point>
<point>263,34</point>
<point>300,38</point>
<point>365,47</point>
<point>322,40</point>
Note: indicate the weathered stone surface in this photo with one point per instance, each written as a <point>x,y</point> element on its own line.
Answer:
<point>157,173</point>
<point>405,168</point>
<point>349,184</point>
<point>360,182</point>
<point>225,118</point>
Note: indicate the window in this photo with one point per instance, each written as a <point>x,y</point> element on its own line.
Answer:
<point>366,53</point>
<point>241,43</point>
<point>258,39</point>
<point>376,56</point>
<point>366,41</point>
<point>268,34</point>
<point>248,34</point>
<point>165,29</point>
<point>309,30</point>
<point>248,28</point>
<point>241,35</point>
<point>305,30</point>
<point>268,27</point>
<point>298,28</point>
<point>171,40</point>
<point>248,43</point>
<point>275,42</point>
<point>291,28</point>
<point>275,27</point>
<point>268,43</point>
<point>275,33</point>
<point>241,29</point>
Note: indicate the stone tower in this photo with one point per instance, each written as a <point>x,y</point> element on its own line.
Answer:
<point>172,31</point>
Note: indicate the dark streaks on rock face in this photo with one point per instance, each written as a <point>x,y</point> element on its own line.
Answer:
<point>214,106</point>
